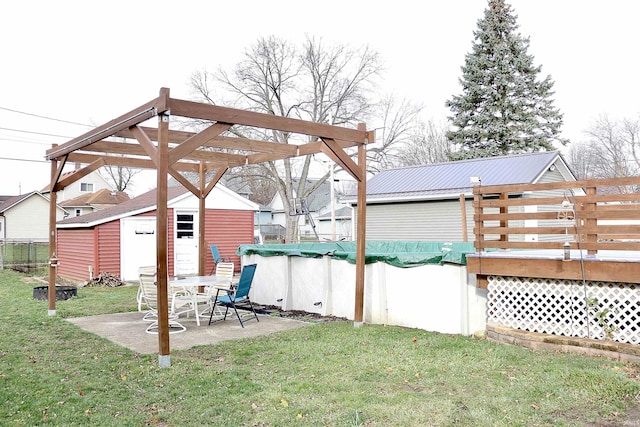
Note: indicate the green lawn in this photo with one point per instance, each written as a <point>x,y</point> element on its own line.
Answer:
<point>329,374</point>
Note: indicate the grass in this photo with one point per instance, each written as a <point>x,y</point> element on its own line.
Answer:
<point>329,374</point>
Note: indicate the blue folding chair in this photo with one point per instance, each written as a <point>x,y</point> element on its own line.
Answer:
<point>216,257</point>
<point>237,294</point>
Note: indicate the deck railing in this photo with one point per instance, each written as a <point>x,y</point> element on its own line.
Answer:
<point>592,215</point>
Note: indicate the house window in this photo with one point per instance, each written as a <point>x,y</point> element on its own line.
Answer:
<point>86,187</point>
<point>184,226</point>
<point>78,212</point>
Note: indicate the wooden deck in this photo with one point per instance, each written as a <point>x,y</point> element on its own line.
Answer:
<point>521,230</point>
<point>606,266</point>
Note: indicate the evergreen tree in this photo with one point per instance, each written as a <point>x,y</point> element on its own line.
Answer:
<point>503,109</point>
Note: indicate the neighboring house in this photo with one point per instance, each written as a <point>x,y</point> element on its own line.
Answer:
<point>26,217</point>
<point>343,226</point>
<point>318,204</point>
<point>121,238</point>
<point>424,202</point>
<point>264,216</point>
<point>88,184</point>
<point>87,203</point>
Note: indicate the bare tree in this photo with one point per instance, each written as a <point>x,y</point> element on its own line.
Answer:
<point>611,149</point>
<point>429,144</point>
<point>580,159</point>
<point>316,83</point>
<point>631,132</point>
<point>251,180</point>
<point>120,176</point>
<point>399,125</point>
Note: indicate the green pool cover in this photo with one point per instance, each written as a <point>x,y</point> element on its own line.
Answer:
<point>396,253</point>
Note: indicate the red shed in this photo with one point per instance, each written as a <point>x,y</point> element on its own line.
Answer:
<point>121,238</point>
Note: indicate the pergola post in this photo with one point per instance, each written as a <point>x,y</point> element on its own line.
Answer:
<point>202,254</point>
<point>53,265</point>
<point>162,235</point>
<point>361,233</point>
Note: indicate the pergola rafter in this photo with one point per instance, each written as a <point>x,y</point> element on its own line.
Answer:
<point>171,152</point>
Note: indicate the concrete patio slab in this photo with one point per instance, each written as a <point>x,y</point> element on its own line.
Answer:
<point>128,330</point>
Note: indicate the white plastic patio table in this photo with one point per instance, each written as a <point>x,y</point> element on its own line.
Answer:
<point>191,285</point>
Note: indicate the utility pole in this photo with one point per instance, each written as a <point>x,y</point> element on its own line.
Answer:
<point>333,206</point>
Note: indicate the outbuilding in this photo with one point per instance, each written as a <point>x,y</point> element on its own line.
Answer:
<point>429,202</point>
<point>122,238</point>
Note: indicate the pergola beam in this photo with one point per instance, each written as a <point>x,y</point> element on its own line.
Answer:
<point>214,181</point>
<point>134,117</point>
<point>196,141</point>
<point>216,113</point>
<point>254,145</point>
<point>184,181</point>
<point>128,162</point>
<point>146,144</point>
<point>338,155</point>
<point>78,174</point>
<point>227,142</point>
<point>136,153</point>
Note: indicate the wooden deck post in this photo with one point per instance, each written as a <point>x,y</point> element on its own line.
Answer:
<point>503,210</point>
<point>463,214</point>
<point>477,219</point>
<point>591,223</point>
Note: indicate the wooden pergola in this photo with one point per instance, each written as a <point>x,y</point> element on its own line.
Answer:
<point>171,152</point>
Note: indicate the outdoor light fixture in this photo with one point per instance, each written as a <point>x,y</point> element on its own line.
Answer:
<point>566,214</point>
<point>475,180</point>
<point>53,261</point>
<point>567,251</point>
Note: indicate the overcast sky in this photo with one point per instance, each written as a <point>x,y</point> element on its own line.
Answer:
<point>88,62</point>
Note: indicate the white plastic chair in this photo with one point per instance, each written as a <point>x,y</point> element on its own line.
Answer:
<point>149,300</point>
<point>150,269</point>
<point>224,275</point>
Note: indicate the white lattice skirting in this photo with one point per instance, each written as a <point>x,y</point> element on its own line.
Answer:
<point>596,310</point>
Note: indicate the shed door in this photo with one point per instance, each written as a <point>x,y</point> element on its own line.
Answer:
<point>186,243</point>
<point>137,245</point>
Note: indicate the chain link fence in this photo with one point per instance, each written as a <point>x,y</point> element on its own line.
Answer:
<point>27,256</point>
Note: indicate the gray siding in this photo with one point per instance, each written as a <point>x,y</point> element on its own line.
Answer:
<point>551,176</point>
<point>441,220</point>
<point>438,221</point>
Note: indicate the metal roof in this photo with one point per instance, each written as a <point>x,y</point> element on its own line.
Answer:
<point>454,178</point>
